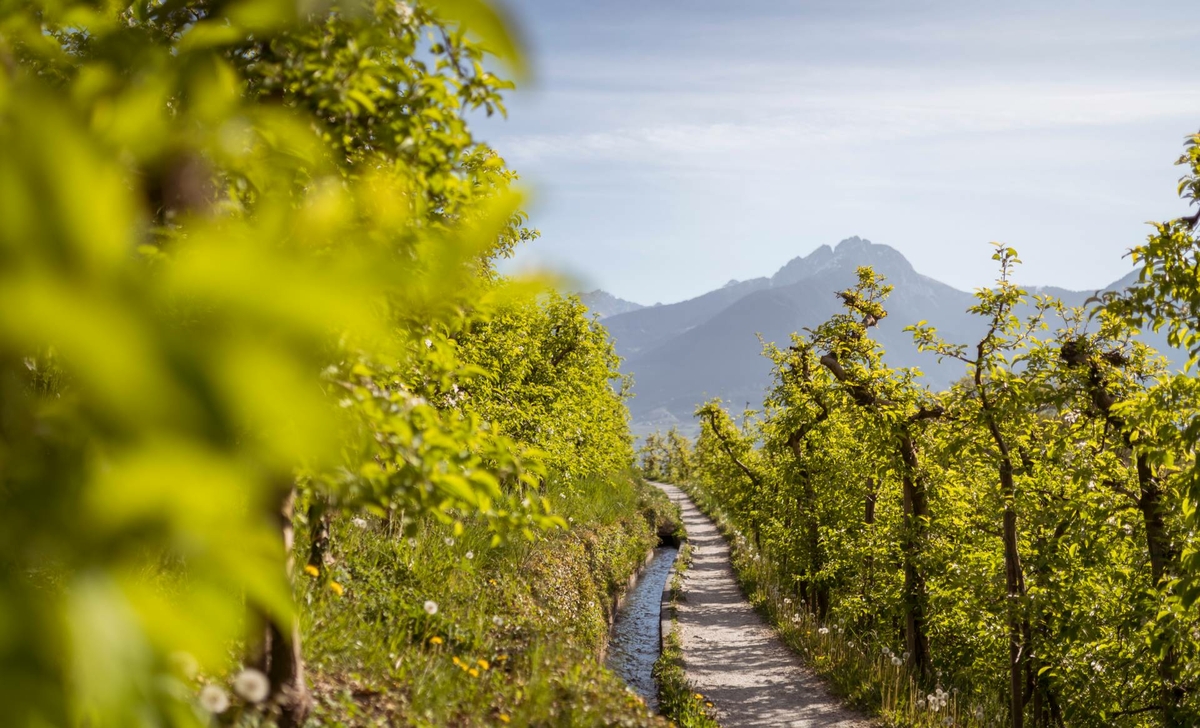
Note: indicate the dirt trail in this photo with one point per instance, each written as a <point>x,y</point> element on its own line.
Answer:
<point>731,655</point>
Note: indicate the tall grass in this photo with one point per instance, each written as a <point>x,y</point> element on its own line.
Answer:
<point>678,699</point>
<point>517,630</point>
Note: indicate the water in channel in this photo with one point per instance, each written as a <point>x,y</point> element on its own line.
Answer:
<point>633,646</point>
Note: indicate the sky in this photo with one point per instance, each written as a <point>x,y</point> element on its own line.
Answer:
<point>670,146</point>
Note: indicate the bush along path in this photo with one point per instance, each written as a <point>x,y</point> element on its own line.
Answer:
<point>730,655</point>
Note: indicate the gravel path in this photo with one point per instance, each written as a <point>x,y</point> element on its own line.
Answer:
<point>731,655</point>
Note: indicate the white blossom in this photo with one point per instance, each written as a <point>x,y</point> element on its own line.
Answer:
<point>431,607</point>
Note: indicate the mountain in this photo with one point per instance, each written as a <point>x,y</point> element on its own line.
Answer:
<point>605,304</point>
<point>685,353</point>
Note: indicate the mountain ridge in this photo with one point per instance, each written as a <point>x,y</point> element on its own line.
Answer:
<point>683,353</point>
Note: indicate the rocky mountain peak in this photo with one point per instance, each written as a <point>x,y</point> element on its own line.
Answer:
<point>848,254</point>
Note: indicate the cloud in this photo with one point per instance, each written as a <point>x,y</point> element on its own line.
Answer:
<point>890,112</point>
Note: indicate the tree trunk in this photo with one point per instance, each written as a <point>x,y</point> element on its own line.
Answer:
<point>1015,584</point>
<point>1162,561</point>
<point>869,561</point>
<point>277,649</point>
<point>916,511</point>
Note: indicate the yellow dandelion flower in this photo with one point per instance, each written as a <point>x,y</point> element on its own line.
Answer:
<point>435,640</point>
<point>458,662</point>
<point>708,704</point>
<point>501,658</point>
<point>483,663</point>
<point>503,717</point>
<point>312,571</point>
<point>337,588</point>
<point>699,696</point>
<point>473,672</point>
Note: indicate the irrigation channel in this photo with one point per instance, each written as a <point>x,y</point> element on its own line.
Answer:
<point>634,644</point>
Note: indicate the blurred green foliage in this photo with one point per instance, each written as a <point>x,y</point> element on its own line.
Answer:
<point>243,247</point>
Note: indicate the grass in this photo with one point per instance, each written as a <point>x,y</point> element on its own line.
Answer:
<point>677,699</point>
<point>860,668</point>
<point>518,629</point>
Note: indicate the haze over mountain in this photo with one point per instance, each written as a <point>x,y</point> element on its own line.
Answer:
<point>604,304</point>
<point>684,353</point>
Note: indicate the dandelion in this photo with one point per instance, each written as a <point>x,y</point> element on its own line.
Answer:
<point>431,607</point>
<point>360,522</point>
<point>483,663</point>
<point>498,621</point>
<point>897,661</point>
<point>470,555</point>
<point>213,699</point>
<point>473,672</point>
<point>504,718</point>
<point>823,630</point>
<point>252,685</point>
<point>337,588</point>
<point>708,704</point>
<point>787,601</point>
<point>458,663</point>
<point>312,571</point>
<point>699,696</point>
<point>435,640</point>
<point>449,541</point>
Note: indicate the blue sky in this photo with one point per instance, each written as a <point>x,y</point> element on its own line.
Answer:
<point>672,146</point>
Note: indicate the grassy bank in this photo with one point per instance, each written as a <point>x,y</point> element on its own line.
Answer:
<point>863,671</point>
<point>678,700</point>
<point>441,630</point>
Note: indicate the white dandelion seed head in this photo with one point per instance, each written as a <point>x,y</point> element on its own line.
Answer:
<point>252,685</point>
<point>449,541</point>
<point>498,621</point>
<point>431,607</point>
<point>896,661</point>
<point>213,699</point>
<point>470,555</point>
<point>360,522</point>
<point>823,630</point>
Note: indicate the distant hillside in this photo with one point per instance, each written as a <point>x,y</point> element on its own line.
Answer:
<point>685,353</point>
<point>605,304</point>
